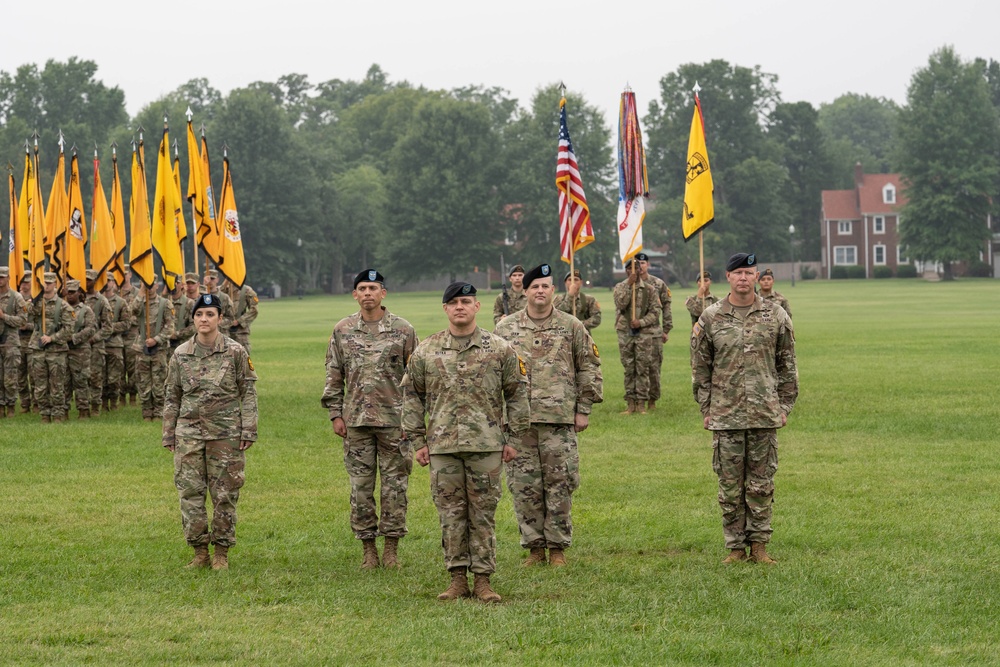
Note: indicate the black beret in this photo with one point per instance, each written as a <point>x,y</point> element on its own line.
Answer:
<point>369,276</point>
<point>517,268</point>
<point>540,271</point>
<point>458,289</point>
<point>706,274</point>
<point>207,301</point>
<point>767,272</point>
<point>641,256</point>
<point>741,260</point>
<point>575,272</point>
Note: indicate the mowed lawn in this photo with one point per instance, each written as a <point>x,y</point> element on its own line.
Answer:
<point>886,528</point>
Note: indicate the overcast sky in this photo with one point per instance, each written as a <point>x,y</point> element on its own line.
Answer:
<point>818,50</point>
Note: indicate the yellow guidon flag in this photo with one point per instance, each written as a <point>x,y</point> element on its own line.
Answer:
<point>166,210</point>
<point>30,213</point>
<point>76,227</point>
<point>140,250</point>
<point>117,219</point>
<point>102,238</point>
<point>699,208</point>
<point>15,256</point>
<point>56,215</point>
<point>230,261</point>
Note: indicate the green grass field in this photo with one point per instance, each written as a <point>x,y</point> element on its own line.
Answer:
<point>885,518</point>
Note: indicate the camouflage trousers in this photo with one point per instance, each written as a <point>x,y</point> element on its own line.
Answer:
<point>24,378</point>
<point>114,372</point>
<point>637,357</point>
<point>216,466</point>
<point>129,385</point>
<point>10,362</point>
<point>466,489</point>
<point>367,451</point>
<point>97,354</point>
<point>241,336</point>
<point>745,462</point>
<point>48,379</point>
<point>542,480</point>
<point>656,346</point>
<point>78,377</point>
<point>150,379</point>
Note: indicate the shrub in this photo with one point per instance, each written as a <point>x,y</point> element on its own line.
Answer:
<point>807,272</point>
<point>906,271</point>
<point>855,272</point>
<point>882,272</point>
<point>838,272</point>
<point>979,269</point>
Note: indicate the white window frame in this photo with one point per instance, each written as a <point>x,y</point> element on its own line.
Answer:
<point>878,224</point>
<point>889,194</point>
<point>838,249</point>
<point>901,257</point>
<point>845,227</point>
<point>876,249</point>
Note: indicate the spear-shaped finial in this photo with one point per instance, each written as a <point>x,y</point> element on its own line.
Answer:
<point>114,150</point>
<point>27,147</point>
<point>189,114</point>
<point>696,89</point>
<point>35,136</point>
<point>73,149</point>
<point>62,142</point>
<point>141,130</point>
<point>562,89</point>
<point>164,120</point>
<point>225,150</point>
<point>95,150</point>
<point>10,168</point>
<point>175,147</point>
<point>134,143</point>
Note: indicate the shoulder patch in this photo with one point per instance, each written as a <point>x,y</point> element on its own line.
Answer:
<point>669,295</point>
<point>250,364</point>
<point>522,367</point>
<point>596,353</point>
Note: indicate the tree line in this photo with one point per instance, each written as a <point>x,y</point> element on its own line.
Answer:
<point>336,176</point>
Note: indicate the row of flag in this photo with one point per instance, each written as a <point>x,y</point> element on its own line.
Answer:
<point>55,236</point>
<point>575,228</point>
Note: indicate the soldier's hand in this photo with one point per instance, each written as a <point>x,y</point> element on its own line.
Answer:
<point>245,445</point>
<point>666,337</point>
<point>784,419</point>
<point>635,324</point>
<point>423,456</point>
<point>705,421</point>
<point>170,446</point>
<point>509,454</point>
<point>632,277</point>
<point>339,427</point>
<point>46,340</point>
<point>581,422</point>
<point>151,342</point>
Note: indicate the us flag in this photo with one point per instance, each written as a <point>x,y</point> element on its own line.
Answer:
<point>575,228</point>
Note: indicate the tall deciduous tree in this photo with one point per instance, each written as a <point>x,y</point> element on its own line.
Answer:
<point>949,135</point>
<point>859,128</point>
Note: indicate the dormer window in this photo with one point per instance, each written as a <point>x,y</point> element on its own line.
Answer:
<point>889,194</point>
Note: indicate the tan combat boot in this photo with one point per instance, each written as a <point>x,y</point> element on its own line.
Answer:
<point>459,586</point>
<point>630,410</point>
<point>370,559</point>
<point>390,558</point>
<point>201,558</point>
<point>25,409</point>
<point>46,419</point>
<point>557,558</point>
<point>482,589</point>
<point>535,557</point>
<point>650,405</point>
<point>735,556</point>
<point>105,405</point>
<point>758,554</point>
<point>83,413</point>
<point>220,559</point>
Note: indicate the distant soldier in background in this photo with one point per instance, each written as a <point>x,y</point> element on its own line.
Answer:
<point>13,315</point>
<point>191,284</point>
<point>98,303</point>
<point>660,333</point>
<point>244,313</point>
<point>78,355</point>
<point>48,350</point>
<point>767,292</point>
<point>152,345</point>
<point>24,366</point>
<point>128,292</point>
<point>515,298</point>
<point>183,314</point>
<point>697,303</point>
<point>114,346</point>
<point>635,340</point>
<point>365,362</point>
<point>588,310</point>
<point>228,312</point>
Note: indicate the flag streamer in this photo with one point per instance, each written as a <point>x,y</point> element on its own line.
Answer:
<point>140,255</point>
<point>15,254</point>
<point>633,184</point>
<point>166,209</point>
<point>76,227</point>
<point>102,238</point>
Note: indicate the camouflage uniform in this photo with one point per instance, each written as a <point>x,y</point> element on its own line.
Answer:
<point>48,364</point>
<point>463,388</point>
<point>13,316</point>
<point>637,351</point>
<point>370,359</point>
<point>151,365</point>
<point>516,301</point>
<point>588,310</point>
<point>564,379</point>
<point>183,321</point>
<point>744,379</point>
<point>779,299</point>
<point>78,357</point>
<point>657,334</point>
<point>694,306</point>
<point>114,350</point>
<point>244,313</point>
<point>99,304</point>
<point>24,384</point>
<point>228,316</point>
<point>210,406</point>
<point>129,293</point>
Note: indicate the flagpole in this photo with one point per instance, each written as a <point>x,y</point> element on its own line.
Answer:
<point>194,217</point>
<point>38,189</point>
<point>572,239</point>
<point>701,265</point>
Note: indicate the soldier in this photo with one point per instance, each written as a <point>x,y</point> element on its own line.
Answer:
<point>244,313</point>
<point>697,303</point>
<point>151,347</point>
<point>228,313</point>
<point>13,316</point>
<point>191,284</point>
<point>588,310</point>
<point>515,299</point>
<point>745,382</point>
<point>660,333</point>
<point>128,292</point>
<point>767,292</point>
<point>365,362</point>
<point>24,387</point>
<point>462,379</point>
<point>48,350</point>
<point>209,421</point>
<point>183,317</point>
<point>636,317</point>
<point>78,356</point>
<point>564,377</point>
<point>98,344</point>
<point>114,345</point>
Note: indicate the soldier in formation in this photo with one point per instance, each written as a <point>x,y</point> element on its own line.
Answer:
<point>365,362</point>
<point>154,318</point>
<point>24,386</point>
<point>78,356</point>
<point>53,322</point>
<point>583,306</point>
<point>244,313</point>
<point>659,333</point>
<point>745,382</point>
<point>464,401</point>
<point>101,308</point>
<point>697,303</point>
<point>212,287</point>
<point>114,345</point>
<point>564,377</point>
<point>13,315</point>
<point>209,421</point>
<point>183,316</point>
<point>767,292</point>
<point>128,292</point>
<point>637,320</point>
<point>514,299</point>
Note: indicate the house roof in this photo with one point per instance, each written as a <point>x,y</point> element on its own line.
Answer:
<point>840,205</point>
<point>865,199</point>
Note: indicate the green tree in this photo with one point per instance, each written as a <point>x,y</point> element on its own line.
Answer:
<point>859,128</point>
<point>949,136</point>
